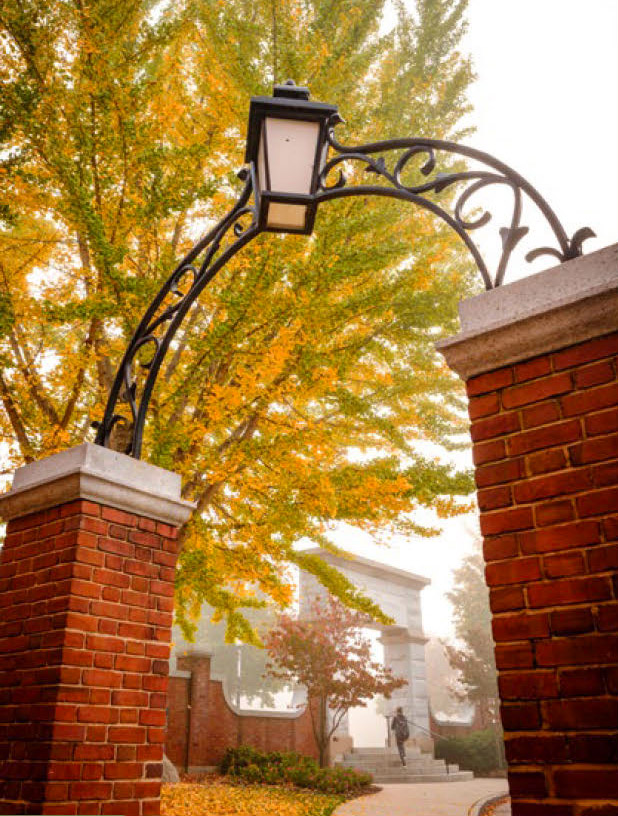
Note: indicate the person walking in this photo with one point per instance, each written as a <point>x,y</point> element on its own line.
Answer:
<point>402,732</point>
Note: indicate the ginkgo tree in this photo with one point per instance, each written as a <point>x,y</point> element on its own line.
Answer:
<point>302,383</point>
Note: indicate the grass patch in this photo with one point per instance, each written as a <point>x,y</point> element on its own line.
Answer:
<point>217,797</point>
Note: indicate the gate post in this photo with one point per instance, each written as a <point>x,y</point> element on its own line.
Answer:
<point>86,599</point>
<point>539,358</point>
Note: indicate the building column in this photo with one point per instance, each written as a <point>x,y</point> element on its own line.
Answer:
<point>539,358</point>
<point>86,602</point>
<point>404,653</point>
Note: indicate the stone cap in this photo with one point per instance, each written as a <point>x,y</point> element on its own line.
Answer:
<point>556,308</point>
<point>100,475</point>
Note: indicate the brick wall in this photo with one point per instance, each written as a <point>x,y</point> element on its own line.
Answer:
<point>86,598</point>
<point>211,725</point>
<point>545,434</point>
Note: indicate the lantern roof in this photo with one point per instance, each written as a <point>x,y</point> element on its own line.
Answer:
<point>289,101</point>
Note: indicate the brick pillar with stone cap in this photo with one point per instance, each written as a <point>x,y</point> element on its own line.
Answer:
<point>86,604</point>
<point>539,357</point>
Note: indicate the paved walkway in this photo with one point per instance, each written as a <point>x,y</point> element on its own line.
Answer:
<point>432,799</point>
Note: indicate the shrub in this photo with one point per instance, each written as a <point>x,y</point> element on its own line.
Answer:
<point>279,767</point>
<point>478,752</point>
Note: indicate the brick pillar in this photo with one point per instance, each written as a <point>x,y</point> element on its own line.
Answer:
<point>87,584</point>
<point>540,362</point>
<point>198,663</point>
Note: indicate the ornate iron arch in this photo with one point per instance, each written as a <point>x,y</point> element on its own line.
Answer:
<point>388,161</point>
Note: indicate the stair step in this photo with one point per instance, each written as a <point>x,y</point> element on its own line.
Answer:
<point>459,776</point>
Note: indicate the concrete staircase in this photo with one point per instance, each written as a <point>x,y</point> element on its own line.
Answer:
<point>385,766</point>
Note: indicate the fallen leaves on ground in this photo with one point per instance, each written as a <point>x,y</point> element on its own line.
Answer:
<point>217,797</point>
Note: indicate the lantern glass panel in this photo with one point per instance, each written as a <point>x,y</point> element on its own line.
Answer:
<point>291,146</point>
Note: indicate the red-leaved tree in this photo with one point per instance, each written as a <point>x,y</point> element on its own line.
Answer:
<point>329,655</point>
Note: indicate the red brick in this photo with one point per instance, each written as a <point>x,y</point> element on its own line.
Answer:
<point>520,716</point>
<point>500,473</point>
<point>591,748</point>
<point>495,549</point>
<point>610,528</point>
<point>603,558</point>
<point>585,402</point>
<point>542,414</point>
<point>494,497</point>
<point>101,643</point>
<point>152,683</point>
<point>536,390</point>
<point>149,540</point>
<point>586,352</point>
<point>491,427</point>
<point>167,531</point>
<point>528,685</point>
<point>98,677</point>
<point>527,783</point>
<point>572,621</point>
<point>546,461</point>
<point>563,564</point>
<point>606,474</point>
<point>123,770</point>
<point>91,790</point>
<point>577,651</point>
<point>130,698</point>
<point>512,571</point>
<point>597,502</point>
<point>116,546</point>
<point>546,437</point>
<point>483,406</point>
<point>127,734</point>
<point>514,655</point>
<point>569,591</point>
<point>147,717</point>
<point>607,617</point>
<point>118,516</point>
<point>488,451</point>
<point>602,423</point>
<point>162,588</point>
<point>594,450</point>
<point>581,682</point>
<point>540,748</point>
<point>556,484</point>
<point>531,369</point>
<point>505,521</point>
<point>594,374</point>
<point>561,537</point>
<point>577,783</point>
<point>611,678</point>
<point>97,714</point>
<point>492,381</point>
<point>132,664</point>
<point>554,512</point>
<point>520,626</point>
<point>147,524</point>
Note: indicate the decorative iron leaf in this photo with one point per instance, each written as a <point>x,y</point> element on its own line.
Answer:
<point>511,236</point>
<point>537,253</point>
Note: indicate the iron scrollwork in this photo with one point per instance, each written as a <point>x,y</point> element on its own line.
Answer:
<point>374,157</point>
<point>157,328</point>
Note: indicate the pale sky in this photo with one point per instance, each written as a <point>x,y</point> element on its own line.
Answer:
<point>545,103</point>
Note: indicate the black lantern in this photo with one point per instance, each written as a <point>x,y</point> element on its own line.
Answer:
<point>286,142</point>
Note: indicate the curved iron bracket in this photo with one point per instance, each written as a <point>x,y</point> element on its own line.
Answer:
<point>157,328</point>
<point>163,317</point>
